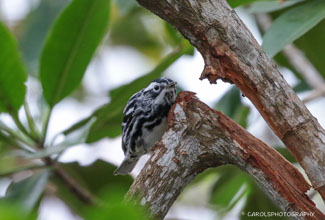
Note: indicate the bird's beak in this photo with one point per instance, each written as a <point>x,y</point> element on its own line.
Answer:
<point>172,84</point>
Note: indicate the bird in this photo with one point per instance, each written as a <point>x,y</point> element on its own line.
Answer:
<point>145,120</point>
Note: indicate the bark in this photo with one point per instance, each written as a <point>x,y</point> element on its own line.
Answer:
<point>199,137</point>
<point>231,53</point>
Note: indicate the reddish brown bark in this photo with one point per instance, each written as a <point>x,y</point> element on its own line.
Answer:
<point>199,137</point>
<point>231,53</point>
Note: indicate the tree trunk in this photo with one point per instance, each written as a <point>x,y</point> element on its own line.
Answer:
<point>231,53</point>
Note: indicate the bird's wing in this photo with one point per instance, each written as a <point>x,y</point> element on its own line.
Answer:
<point>128,120</point>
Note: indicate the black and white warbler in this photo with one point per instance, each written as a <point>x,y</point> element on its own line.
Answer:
<point>145,119</point>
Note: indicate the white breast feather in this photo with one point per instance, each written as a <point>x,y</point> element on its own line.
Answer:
<point>151,137</point>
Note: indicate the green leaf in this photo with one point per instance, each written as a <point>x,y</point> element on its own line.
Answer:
<point>27,192</point>
<point>241,115</point>
<point>97,177</point>
<point>229,102</point>
<point>7,161</point>
<point>283,61</point>
<point>6,142</point>
<point>226,189</point>
<point>11,211</point>
<point>286,153</point>
<point>271,5</point>
<point>116,208</point>
<point>70,46</point>
<point>263,5</point>
<point>33,29</point>
<point>130,30</point>
<point>236,3</point>
<point>12,73</point>
<point>16,168</point>
<point>204,176</point>
<point>125,5</point>
<point>226,193</point>
<point>302,87</point>
<point>292,24</point>
<point>172,35</point>
<point>313,48</point>
<point>312,44</point>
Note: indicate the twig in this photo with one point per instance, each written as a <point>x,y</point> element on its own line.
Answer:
<point>315,94</point>
<point>84,195</point>
<point>20,169</point>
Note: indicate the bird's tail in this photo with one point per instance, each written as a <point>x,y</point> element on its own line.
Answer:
<point>126,167</point>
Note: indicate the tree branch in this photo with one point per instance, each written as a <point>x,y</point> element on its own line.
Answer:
<point>81,193</point>
<point>78,190</point>
<point>199,137</point>
<point>231,53</point>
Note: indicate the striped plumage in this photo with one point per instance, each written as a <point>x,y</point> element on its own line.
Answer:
<point>144,122</point>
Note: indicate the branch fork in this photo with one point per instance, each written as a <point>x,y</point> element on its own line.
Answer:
<point>198,138</point>
<point>232,54</point>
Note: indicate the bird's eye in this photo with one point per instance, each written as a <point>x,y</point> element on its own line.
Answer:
<point>156,88</point>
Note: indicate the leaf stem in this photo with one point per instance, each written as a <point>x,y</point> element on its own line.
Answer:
<point>16,136</point>
<point>14,142</point>
<point>31,122</point>
<point>19,169</point>
<point>21,127</point>
<point>45,127</point>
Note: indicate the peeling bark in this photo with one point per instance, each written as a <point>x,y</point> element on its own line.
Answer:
<point>231,53</point>
<point>199,137</point>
